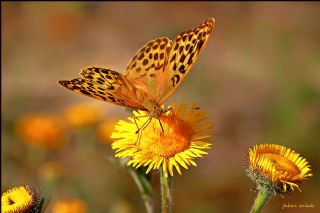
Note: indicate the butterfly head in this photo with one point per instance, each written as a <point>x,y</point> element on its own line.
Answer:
<point>156,112</point>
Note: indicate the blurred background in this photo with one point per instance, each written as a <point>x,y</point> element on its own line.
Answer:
<point>258,79</point>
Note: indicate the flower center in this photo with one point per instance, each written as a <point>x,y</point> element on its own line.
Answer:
<point>175,137</point>
<point>282,164</point>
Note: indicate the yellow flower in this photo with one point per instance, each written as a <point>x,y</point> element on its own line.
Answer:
<point>277,168</point>
<point>82,115</point>
<point>69,206</point>
<point>20,199</point>
<point>184,137</point>
<point>44,130</point>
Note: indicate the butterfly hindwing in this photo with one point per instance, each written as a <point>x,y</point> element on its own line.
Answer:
<point>103,84</point>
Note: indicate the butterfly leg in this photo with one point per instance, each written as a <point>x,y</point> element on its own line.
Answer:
<point>139,131</point>
<point>136,117</point>
<point>161,125</point>
<point>136,124</point>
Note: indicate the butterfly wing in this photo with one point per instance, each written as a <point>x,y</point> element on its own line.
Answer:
<point>106,85</point>
<point>144,68</point>
<point>186,49</point>
<point>159,66</point>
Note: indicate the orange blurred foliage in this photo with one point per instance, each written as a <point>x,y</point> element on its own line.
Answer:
<point>43,130</point>
<point>69,206</point>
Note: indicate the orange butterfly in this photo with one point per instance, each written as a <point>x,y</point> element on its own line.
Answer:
<point>152,75</point>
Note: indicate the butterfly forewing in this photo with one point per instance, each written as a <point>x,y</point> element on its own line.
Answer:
<point>185,50</point>
<point>104,84</point>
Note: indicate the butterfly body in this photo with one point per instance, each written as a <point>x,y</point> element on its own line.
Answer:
<point>152,75</point>
<point>153,108</point>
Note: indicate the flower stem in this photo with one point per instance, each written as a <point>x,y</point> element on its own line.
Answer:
<point>262,198</point>
<point>166,192</point>
<point>144,188</point>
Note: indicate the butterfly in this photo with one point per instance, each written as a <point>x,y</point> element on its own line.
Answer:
<point>152,75</point>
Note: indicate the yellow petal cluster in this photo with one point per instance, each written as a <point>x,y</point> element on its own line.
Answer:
<point>283,167</point>
<point>19,199</point>
<point>182,138</point>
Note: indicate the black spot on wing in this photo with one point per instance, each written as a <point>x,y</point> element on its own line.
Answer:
<point>112,98</point>
<point>145,61</point>
<point>175,79</point>
<point>85,92</point>
<point>182,69</point>
<point>181,49</point>
<point>200,44</point>
<point>182,58</point>
<point>173,57</point>
<point>102,97</point>
<point>162,46</point>
<point>141,56</point>
<point>156,55</point>
<point>110,87</point>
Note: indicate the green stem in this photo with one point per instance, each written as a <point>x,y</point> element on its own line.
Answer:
<point>144,188</point>
<point>262,198</point>
<point>166,192</point>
